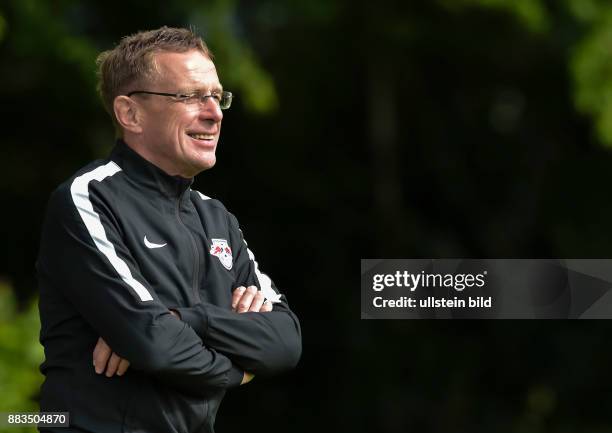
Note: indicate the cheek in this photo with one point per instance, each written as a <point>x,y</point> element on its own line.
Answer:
<point>168,123</point>
<point>178,124</point>
<point>160,125</point>
<point>185,122</point>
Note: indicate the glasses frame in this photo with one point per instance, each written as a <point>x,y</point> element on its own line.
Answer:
<point>185,96</point>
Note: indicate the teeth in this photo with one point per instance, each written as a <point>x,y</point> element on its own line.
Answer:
<point>202,136</point>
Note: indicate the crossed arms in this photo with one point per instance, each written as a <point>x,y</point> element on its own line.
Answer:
<point>244,299</point>
<point>208,347</point>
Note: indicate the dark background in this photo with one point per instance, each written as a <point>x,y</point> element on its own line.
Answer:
<point>466,128</point>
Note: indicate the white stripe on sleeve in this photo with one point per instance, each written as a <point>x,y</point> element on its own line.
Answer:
<point>265,283</point>
<point>80,196</point>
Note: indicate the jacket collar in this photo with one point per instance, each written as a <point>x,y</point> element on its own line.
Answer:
<point>147,174</point>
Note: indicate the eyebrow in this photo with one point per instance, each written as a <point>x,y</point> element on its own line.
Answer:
<point>214,88</point>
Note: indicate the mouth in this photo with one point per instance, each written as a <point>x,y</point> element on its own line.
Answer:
<point>201,137</point>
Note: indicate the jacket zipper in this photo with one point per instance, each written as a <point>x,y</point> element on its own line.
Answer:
<point>196,252</point>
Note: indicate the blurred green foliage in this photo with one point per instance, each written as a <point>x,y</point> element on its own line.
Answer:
<point>42,28</point>
<point>532,13</point>
<point>591,65</point>
<point>20,356</point>
<point>589,49</point>
<point>236,61</point>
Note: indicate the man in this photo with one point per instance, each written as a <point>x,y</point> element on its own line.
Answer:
<point>151,303</point>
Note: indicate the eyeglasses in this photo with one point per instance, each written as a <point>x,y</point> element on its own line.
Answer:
<point>224,99</point>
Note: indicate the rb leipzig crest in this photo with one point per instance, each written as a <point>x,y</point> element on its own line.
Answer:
<point>222,250</point>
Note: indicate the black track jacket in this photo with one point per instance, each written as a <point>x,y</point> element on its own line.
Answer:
<point>122,243</point>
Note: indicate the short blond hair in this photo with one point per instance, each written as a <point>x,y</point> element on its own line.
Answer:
<point>131,64</point>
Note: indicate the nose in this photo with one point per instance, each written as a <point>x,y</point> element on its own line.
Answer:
<point>210,110</point>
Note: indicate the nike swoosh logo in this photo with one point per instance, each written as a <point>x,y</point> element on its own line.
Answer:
<point>152,245</point>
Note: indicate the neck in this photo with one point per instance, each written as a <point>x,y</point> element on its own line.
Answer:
<point>141,149</point>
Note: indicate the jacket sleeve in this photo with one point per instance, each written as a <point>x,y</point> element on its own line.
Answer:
<point>83,255</point>
<point>261,343</point>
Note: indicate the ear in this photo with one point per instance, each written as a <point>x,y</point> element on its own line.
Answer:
<point>127,114</point>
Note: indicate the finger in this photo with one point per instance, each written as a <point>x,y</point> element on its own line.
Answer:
<point>100,355</point>
<point>236,296</point>
<point>245,302</point>
<point>123,366</point>
<point>258,301</point>
<point>113,363</point>
<point>266,307</point>
<point>247,377</point>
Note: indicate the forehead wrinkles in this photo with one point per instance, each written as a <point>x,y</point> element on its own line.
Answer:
<point>198,76</point>
<point>192,72</point>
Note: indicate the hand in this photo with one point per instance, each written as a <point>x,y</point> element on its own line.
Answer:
<point>250,299</point>
<point>105,358</point>
<point>247,378</point>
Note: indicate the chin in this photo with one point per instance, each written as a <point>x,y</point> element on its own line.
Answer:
<point>206,163</point>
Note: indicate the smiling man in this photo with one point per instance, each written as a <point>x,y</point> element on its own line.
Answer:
<point>151,303</point>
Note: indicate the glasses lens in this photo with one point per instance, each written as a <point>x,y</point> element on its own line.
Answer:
<point>226,100</point>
